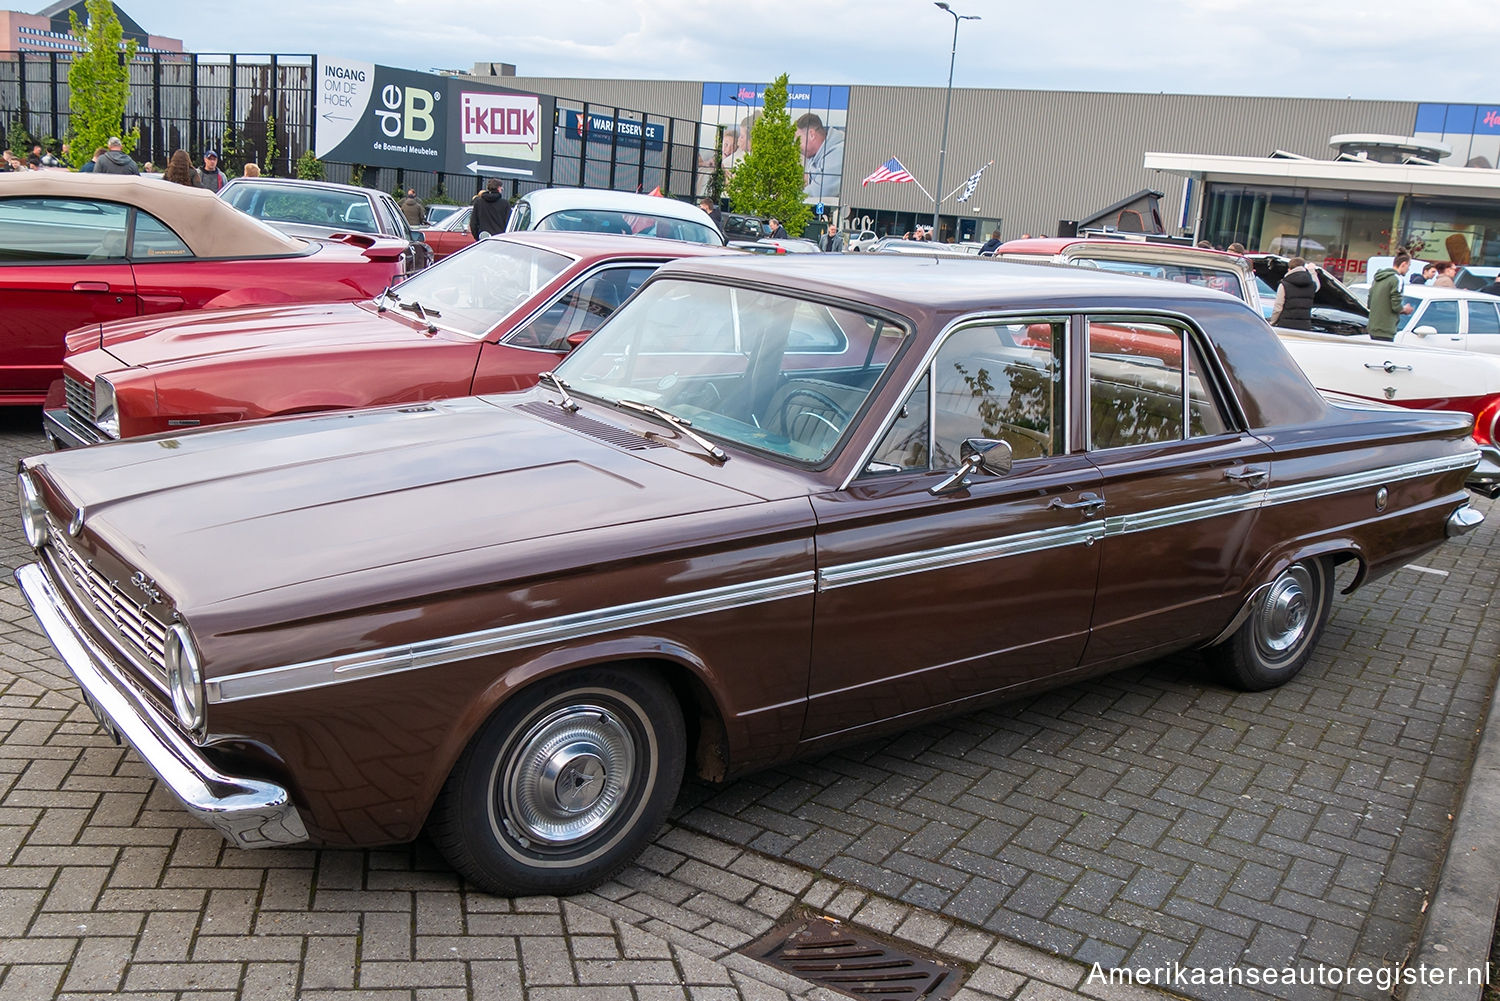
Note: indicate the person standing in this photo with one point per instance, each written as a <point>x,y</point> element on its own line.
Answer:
<point>714,212</point>
<point>413,209</point>
<point>1446,273</point>
<point>832,241</point>
<point>180,170</point>
<point>1429,272</point>
<point>988,250</point>
<point>251,170</point>
<point>1386,307</point>
<point>490,212</point>
<point>777,232</point>
<point>115,160</point>
<point>1294,297</point>
<point>210,176</point>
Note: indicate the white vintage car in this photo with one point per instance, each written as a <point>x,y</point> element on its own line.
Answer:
<point>1338,356</point>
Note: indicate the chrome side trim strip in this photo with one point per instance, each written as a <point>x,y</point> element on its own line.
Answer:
<point>865,571</point>
<point>444,650</point>
<point>485,642</point>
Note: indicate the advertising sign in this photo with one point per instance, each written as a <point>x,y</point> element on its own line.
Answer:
<point>385,117</point>
<point>621,131</point>
<point>819,112</point>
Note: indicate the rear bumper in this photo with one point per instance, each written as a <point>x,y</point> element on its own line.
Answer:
<point>250,813</point>
<point>1486,476</point>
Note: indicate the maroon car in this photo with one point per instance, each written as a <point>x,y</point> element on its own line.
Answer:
<point>770,506</point>
<point>488,320</point>
<point>84,249</point>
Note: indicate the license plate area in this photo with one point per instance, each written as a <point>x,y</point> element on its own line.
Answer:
<point>105,723</point>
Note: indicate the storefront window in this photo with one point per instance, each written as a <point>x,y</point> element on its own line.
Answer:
<point>1467,233</point>
<point>1263,219</point>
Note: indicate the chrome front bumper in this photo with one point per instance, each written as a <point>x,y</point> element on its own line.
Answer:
<point>250,813</point>
<point>63,430</point>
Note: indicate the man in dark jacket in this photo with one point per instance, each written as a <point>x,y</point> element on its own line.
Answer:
<point>1385,299</point>
<point>210,176</point>
<point>491,210</point>
<point>115,160</point>
<point>413,209</point>
<point>988,250</point>
<point>1294,297</point>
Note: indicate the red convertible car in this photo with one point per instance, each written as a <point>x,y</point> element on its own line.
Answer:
<point>81,249</point>
<point>489,319</point>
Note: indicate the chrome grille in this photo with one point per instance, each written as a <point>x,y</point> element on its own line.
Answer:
<point>80,400</point>
<point>144,638</point>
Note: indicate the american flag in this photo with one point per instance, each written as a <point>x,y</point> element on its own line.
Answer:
<point>973,183</point>
<point>891,170</point>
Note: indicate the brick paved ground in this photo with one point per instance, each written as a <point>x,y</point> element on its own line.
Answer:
<point>1138,819</point>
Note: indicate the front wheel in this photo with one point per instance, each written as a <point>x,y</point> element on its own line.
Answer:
<point>1276,640</point>
<point>564,785</point>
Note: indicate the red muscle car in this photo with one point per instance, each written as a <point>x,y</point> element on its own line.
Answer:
<point>770,506</point>
<point>80,249</point>
<point>487,320</point>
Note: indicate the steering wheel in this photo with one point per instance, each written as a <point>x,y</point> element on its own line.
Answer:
<point>817,397</point>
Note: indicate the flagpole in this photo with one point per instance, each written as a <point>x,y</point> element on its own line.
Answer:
<point>920,188</point>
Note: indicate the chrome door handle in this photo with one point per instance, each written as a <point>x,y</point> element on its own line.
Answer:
<point>1089,504</point>
<point>1389,366</point>
<point>1249,476</point>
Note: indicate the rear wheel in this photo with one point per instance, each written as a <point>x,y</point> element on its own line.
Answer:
<point>1278,637</point>
<point>564,785</point>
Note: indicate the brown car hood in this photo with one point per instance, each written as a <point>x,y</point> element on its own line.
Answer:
<point>297,329</point>
<point>364,500</point>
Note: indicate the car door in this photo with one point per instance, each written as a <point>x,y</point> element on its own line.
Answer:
<point>1181,481</point>
<point>62,265</point>
<point>540,341</point>
<point>928,599</point>
<point>1483,327</point>
<point>1436,323</point>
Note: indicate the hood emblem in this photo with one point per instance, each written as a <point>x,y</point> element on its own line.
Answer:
<point>146,586</point>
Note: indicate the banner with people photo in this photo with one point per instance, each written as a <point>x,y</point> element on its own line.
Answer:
<point>819,112</point>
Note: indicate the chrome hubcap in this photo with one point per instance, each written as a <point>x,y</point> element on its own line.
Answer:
<point>568,775</point>
<point>1286,611</point>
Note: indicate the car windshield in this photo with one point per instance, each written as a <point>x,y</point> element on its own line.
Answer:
<point>345,211</point>
<point>631,224</point>
<point>764,370</point>
<point>473,290</point>
<point>1220,279</point>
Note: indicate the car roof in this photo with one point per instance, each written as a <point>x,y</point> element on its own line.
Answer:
<point>208,225</point>
<point>545,201</point>
<point>607,245</point>
<point>1057,244</point>
<point>296,182</point>
<point>1430,291</point>
<point>943,283</point>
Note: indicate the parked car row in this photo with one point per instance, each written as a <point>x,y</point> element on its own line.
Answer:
<point>768,506</point>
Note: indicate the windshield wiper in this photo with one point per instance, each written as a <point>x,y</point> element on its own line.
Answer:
<point>389,293</point>
<point>416,307</point>
<point>679,423</point>
<point>562,387</point>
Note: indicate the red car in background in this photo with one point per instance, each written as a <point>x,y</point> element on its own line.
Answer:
<point>489,319</point>
<point>449,234</point>
<point>85,249</point>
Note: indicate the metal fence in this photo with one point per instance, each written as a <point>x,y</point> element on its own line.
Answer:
<point>192,101</point>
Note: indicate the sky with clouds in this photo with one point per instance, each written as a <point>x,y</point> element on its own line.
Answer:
<point>1370,49</point>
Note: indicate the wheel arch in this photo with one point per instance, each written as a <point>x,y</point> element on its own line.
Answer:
<point>1337,551</point>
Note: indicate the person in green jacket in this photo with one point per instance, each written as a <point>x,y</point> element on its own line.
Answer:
<point>1385,299</point>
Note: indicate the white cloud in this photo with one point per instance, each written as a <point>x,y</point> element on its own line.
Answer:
<point>1382,49</point>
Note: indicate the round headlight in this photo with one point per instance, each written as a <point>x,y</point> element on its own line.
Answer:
<point>106,413</point>
<point>185,678</point>
<point>33,511</point>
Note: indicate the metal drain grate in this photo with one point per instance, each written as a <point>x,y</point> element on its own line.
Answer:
<point>831,954</point>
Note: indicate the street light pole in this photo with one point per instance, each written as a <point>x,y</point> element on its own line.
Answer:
<point>937,199</point>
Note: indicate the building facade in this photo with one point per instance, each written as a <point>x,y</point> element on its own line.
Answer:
<point>47,30</point>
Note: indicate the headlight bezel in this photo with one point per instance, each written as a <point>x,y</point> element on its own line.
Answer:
<point>33,511</point>
<point>106,407</point>
<point>185,678</point>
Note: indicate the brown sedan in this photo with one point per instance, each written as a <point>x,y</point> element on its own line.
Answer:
<point>770,506</point>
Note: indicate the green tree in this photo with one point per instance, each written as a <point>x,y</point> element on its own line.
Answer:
<point>98,82</point>
<point>272,153</point>
<point>769,180</point>
<point>309,167</point>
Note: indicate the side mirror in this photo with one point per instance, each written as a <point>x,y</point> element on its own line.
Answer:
<point>417,237</point>
<point>578,337</point>
<point>1424,330</point>
<point>987,454</point>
